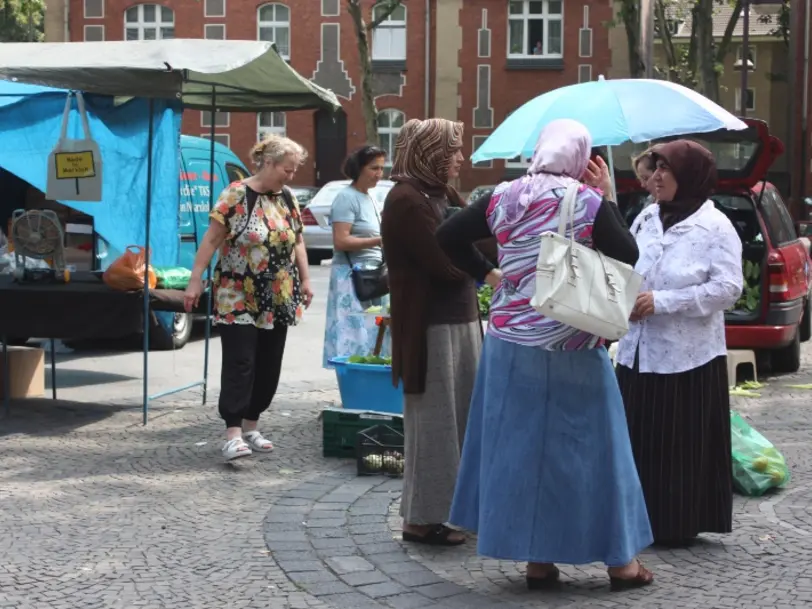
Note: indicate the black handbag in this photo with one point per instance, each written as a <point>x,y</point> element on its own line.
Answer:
<point>373,283</point>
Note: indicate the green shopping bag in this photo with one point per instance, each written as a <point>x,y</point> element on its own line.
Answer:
<point>173,278</point>
<point>757,464</point>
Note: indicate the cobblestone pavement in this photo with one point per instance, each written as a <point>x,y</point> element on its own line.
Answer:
<point>100,512</point>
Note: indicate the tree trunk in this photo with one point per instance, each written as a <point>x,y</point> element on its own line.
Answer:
<point>707,78</point>
<point>630,15</point>
<point>365,62</point>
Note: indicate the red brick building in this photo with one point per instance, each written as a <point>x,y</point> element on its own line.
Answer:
<point>474,61</point>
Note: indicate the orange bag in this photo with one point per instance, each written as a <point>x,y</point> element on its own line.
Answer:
<point>127,271</point>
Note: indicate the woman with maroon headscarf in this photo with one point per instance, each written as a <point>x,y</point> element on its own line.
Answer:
<point>671,366</point>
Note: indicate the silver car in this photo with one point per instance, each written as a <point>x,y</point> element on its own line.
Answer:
<point>318,233</point>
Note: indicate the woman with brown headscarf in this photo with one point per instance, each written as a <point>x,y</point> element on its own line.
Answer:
<point>671,366</point>
<point>436,333</point>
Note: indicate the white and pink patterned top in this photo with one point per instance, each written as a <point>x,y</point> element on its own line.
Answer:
<point>512,318</point>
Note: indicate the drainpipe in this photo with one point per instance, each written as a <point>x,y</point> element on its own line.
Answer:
<point>427,77</point>
<point>66,19</point>
<point>745,56</point>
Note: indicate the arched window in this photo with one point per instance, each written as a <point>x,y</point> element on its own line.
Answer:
<point>270,122</point>
<point>273,25</point>
<point>389,123</point>
<point>149,22</point>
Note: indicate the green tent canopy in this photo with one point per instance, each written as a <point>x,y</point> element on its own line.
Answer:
<point>245,75</point>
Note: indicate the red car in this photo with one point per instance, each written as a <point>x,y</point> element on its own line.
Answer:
<point>772,317</point>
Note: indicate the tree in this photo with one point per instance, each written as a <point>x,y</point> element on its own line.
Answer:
<point>22,20</point>
<point>363,32</point>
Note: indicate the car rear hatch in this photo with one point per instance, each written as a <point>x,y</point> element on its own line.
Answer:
<point>742,159</point>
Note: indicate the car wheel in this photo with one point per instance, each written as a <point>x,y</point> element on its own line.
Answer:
<point>315,257</point>
<point>181,330</point>
<point>806,322</point>
<point>788,359</point>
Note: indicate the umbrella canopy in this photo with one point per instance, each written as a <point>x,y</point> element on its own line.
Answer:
<point>614,111</point>
<point>248,75</point>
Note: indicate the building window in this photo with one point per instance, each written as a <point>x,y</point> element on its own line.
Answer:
<point>517,162</point>
<point>271,123</point>
<point>220,138</point>
<point>584,73</point>
<point>214,8</point>
<point>389,38</point>
<point>149,22</point>
<point>94,9</point>
<point>221,119</point>
<point>389,124</point>
<point>214,31</point>
<point>478,140</point>
<point>751,56</point>
<point>273,22</point>
<point>535,28</point>
<point>94,33</point>
<point>750,100</point>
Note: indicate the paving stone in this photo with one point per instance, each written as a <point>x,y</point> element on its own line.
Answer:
<point>349,564</point>
<point>382,589</point>
<point>362,578</point>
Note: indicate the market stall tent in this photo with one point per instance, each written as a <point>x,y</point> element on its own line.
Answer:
<point>209,75</point>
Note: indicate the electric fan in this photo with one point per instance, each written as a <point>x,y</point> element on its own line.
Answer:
<point>37,235</point>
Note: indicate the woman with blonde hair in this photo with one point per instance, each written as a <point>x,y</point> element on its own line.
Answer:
<point>260,283</point>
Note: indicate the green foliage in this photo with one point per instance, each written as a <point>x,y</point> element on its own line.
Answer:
<point>22,20</point>
<point>484,296</point>
<point>375,360</point>
<point>751,294</point>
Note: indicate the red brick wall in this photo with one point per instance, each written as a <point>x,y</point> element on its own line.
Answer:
<point>511,88</point>
<point>241,24</point>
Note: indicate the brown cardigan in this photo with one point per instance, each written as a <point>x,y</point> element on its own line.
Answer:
<point>414,259</point>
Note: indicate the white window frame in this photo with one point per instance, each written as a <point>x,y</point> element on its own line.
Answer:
<point>750,49</point>
<point>84,10</point>
<point>95,25</point>
<point>219,137</point>
<point>209,15</point>
<point>526,17</point>
<point>483,164</point>
<point>214,25</point>
<point>587,68</point>
<point>274,26</point>
<point>264,131</point>
<point>140,25</point>
<point>522,163</point>
<point>392,132</point>
<point>386,27</point>
<point>738,101</point>
<point>204,123</point>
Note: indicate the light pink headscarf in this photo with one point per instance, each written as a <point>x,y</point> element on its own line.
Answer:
<point>561,157</point>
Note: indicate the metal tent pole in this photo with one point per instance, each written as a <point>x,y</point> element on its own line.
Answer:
<point>210,286</point>
<point>150,137</point>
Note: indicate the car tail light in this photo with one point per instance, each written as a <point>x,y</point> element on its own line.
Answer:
<point>778,276</point>
<point>308,219</point>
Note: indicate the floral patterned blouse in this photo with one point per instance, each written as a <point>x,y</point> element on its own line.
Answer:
<point>256,280</point>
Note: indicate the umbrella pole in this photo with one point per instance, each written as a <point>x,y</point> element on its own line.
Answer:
<point>613,196</point>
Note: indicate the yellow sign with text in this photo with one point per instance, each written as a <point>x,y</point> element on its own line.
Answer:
<point>75,165</point>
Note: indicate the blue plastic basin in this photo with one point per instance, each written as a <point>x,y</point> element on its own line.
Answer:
<point>367,387</point>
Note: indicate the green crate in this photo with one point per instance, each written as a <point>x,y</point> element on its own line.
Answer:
<point>341,426</point>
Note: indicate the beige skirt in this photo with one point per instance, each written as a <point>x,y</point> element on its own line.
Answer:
<point>434,422</point>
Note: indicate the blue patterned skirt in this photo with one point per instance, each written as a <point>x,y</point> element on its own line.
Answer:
<point>348,331</point>
<point>547,472</point>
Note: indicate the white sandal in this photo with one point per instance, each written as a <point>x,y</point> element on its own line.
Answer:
<point>257,442</point>
<point>236,448</point>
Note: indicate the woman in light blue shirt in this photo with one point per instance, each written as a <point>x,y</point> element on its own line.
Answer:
<point>356,223</point>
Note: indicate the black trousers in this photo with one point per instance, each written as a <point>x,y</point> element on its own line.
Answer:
<point>249,377</point>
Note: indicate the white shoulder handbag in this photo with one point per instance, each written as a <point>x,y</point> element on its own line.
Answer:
<point>582,287</point>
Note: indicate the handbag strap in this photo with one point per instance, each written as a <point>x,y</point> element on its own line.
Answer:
<point>566,210</point>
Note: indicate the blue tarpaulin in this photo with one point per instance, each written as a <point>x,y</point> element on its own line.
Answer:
<point>30,121</point>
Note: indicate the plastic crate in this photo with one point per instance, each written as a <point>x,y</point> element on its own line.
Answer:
<point>379,450</point>
<point>367,387</point>
<point>341,427</point>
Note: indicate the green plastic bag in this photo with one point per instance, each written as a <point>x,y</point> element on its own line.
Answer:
<point>173,277</point>
<point>757,464</point>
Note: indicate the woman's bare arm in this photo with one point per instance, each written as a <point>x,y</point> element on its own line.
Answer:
<point>343,241</point>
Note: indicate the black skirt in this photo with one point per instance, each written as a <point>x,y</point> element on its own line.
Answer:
<point>679,426</point>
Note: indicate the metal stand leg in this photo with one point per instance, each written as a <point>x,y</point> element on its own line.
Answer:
<point>6,377</point>
<point>53,370</point>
